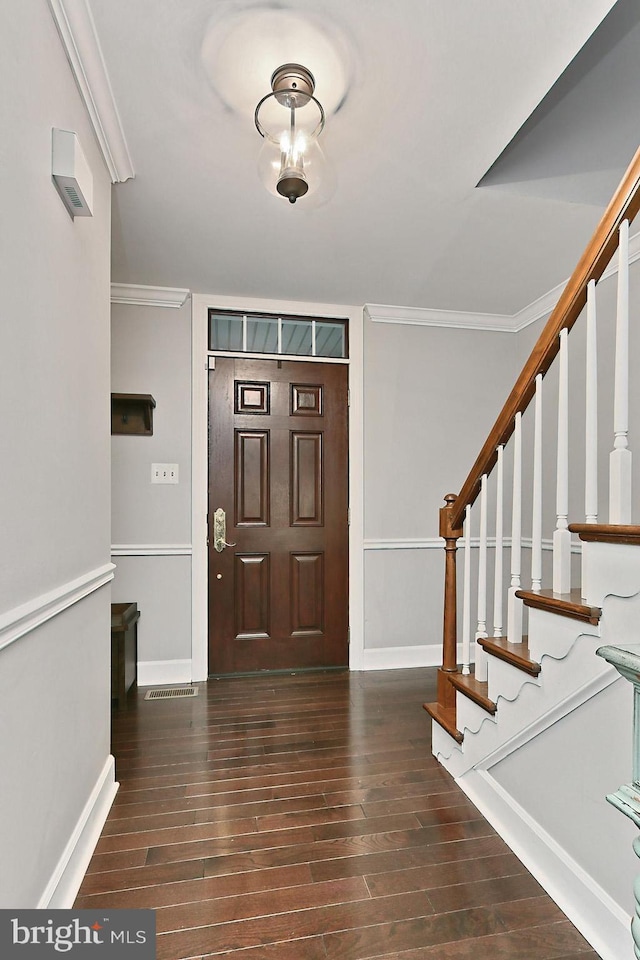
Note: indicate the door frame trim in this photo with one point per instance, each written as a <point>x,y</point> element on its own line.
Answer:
<point>200,304</point>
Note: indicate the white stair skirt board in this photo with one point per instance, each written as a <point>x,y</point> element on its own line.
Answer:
<point>156,673</point>
<point>62,888</point>
<point>598,918</point>
<point>403,658</point>
<point>535,709</point>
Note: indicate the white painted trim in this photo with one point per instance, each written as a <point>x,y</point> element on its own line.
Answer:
<point>21,620</point>
<point>151,550</point>
<point>562,709</point>
<point>430,317</point>
<point>497,322</point>
<point>156,673</point>
<point>537,309</point>
<point>80,41</point>
<point>64,883</point>
<point>199,488</point>
<point>200,303</point>
<point>405,543</point>
<point>402,658</point>
<point>436,543</point>
<point>590,908</point>
<point>140,296</point>
<point>245,355</point>
<point>356,490</point>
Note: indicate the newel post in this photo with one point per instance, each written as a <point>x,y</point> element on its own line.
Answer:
<point>450,534</point>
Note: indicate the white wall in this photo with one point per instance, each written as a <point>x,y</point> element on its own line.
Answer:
<point>151,527</point>
<point>431,395</point>
<point>562,778</point>
<point>54,482</point>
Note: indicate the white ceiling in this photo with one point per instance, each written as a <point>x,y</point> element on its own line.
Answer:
<point>432,93</point>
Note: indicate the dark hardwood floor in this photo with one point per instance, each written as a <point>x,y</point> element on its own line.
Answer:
<point>303,817</point>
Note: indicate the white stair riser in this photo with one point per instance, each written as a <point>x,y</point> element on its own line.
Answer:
<point>506,680</point>
<point>552,635</point>
<point>609,568</point>
<point>469,715</point>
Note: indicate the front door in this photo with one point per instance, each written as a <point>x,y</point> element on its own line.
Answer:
<point>278,527</point>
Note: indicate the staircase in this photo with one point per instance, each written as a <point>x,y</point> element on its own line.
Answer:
<point>531,723</point>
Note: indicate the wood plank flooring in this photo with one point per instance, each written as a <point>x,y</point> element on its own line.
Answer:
<point>302,817</point>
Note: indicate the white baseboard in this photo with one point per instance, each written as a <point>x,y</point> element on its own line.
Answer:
<point>156,673</point>
<point>63,886</point>
<point>403,658</point>
<point>398,658</point>
<point>596,915</point>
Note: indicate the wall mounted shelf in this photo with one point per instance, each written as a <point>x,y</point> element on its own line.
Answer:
<point>132,414</point>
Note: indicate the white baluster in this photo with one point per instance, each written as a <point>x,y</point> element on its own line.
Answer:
<point>497,583</point>
<point>561,536</point>
<point>481,629</point>
<point>514,605</point>
<point>591,416</point>
<point>466,595</point>
<point>536,518</point>
<point>620,459</point>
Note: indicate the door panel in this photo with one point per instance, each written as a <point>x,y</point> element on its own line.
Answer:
<point>278,595</point>
<point>252,478</point>
<point>252,596</point>
<point>307,594</point>
<point>306,479</point>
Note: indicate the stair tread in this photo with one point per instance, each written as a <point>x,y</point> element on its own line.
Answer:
<point>516,654</point>
<point>607,532</point>
<point>446,717</point>
<point>565,604</point>
<point>476,690</point>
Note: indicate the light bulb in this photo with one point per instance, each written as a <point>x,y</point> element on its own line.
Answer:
<point>272,162</point>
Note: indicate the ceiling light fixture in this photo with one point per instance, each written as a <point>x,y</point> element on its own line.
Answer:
<point>291,118</point>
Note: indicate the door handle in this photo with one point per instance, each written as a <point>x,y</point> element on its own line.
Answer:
<point>220,531</point>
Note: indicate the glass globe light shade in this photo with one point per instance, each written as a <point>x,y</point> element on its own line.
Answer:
<point>311,167</point>
<point>291,119</point>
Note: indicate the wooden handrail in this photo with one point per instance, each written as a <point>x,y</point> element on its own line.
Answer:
<point>624,206</point>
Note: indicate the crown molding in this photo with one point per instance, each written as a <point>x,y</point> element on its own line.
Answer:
<point>501,322</point>
<point>430,317</point>
<point>80,40</point>
<point>141,296</point>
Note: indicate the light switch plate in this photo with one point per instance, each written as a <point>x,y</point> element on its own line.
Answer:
<point>164,473</point>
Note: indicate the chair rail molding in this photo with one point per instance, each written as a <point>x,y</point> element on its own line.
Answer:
<point>138,295</point>
<point>435,543</point>
<point>80,41</point>
<point>151,550</point>
<point>28,616</point>
<point>496,322</point>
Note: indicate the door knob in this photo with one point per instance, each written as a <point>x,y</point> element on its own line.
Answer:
<point>220,531</point>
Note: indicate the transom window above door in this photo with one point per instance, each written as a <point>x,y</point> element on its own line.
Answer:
<point>234,332</point>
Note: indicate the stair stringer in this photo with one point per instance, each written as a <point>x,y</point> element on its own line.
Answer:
<point>564,685</point>
<point>551,638</point>
<point>602,920</point>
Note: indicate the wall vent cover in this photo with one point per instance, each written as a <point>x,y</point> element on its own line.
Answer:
<point>171,693</point>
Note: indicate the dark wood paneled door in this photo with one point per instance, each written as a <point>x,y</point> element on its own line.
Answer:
<point>278,456</point>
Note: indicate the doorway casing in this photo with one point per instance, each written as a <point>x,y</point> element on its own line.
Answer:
<point>200,305</point>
